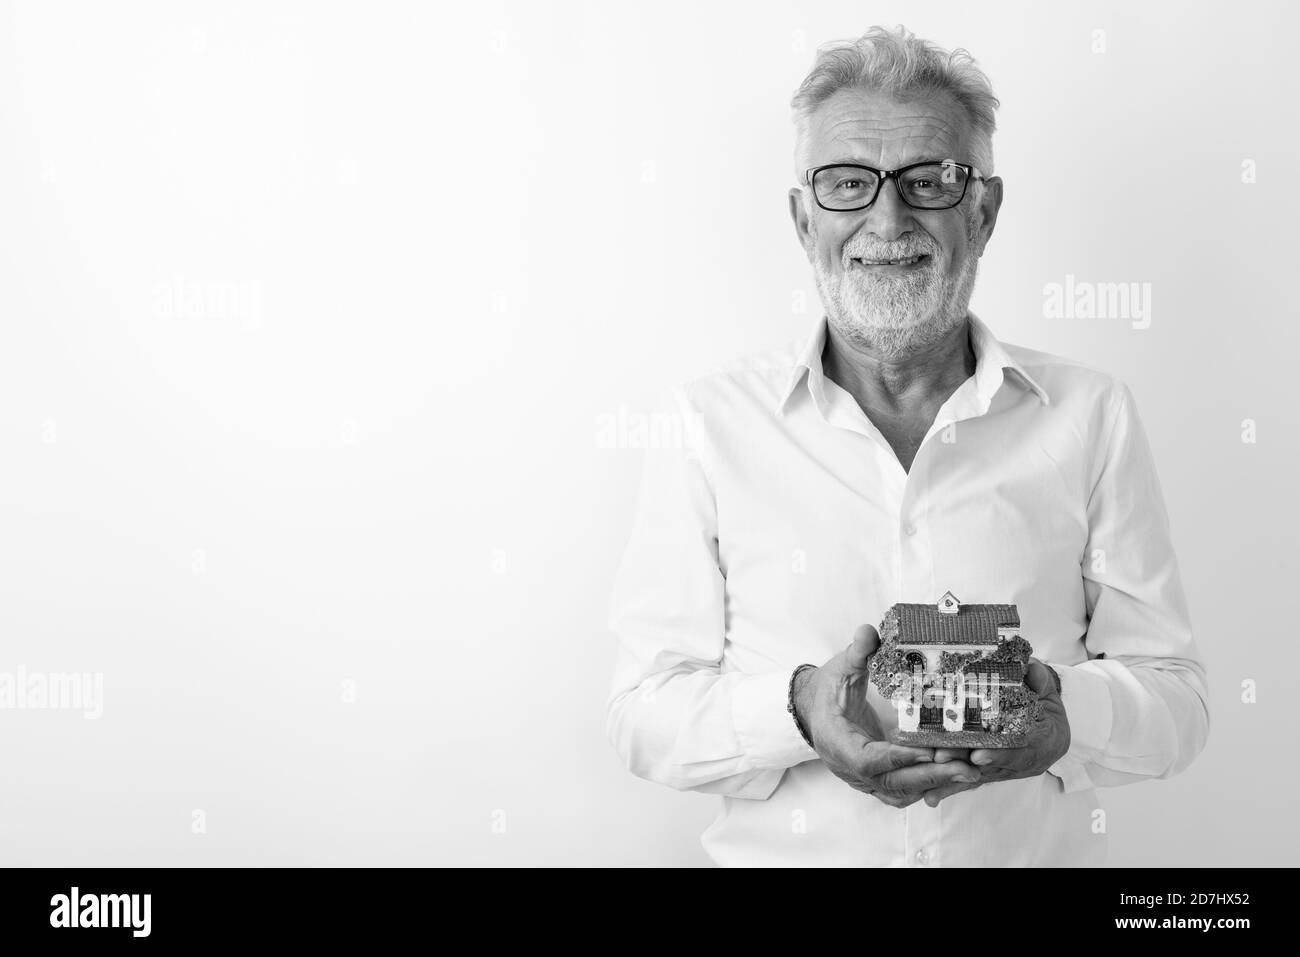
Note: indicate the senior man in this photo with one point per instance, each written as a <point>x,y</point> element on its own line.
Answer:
<point>899,451</point>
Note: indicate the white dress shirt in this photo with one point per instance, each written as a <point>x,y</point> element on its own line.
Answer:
<point>782,520</point>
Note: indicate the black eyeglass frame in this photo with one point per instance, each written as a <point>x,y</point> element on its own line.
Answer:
<point>886,174</point>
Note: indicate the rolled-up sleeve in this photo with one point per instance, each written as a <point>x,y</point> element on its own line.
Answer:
<point>1139,707</point>
<point>672,715</point>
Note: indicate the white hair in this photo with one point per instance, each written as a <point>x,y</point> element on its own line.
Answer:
<point>901,65</point>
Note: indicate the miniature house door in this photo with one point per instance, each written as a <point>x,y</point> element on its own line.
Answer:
<point>931,707</point>
<point>932,701</point>
<point>932,704</point>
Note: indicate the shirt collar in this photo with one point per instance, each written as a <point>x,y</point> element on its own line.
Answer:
<point>991,359</point>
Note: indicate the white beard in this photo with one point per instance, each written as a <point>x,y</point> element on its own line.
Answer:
<point>899,315</point>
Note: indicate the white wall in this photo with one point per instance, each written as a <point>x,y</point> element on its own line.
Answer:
<point>290,398</point>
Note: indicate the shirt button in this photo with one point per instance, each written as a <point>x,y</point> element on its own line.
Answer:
<point>922,856</point>
<point>909,529</point>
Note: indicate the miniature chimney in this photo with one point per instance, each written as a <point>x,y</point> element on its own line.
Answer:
<point>948,604</point>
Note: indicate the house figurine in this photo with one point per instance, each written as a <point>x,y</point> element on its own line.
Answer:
<point>956,674</point>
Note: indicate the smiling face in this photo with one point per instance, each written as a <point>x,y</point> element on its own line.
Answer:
<point>893,279</point>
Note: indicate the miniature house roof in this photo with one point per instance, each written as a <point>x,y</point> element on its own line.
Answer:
<point>969,625</point>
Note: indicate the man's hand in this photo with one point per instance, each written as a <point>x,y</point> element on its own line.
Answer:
<point>831,702</point>
<point>1049,739</point>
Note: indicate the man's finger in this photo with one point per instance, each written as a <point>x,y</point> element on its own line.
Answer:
<point>880,758</point>
<point>1011,758</point>
<point>864,644</point>
<point>857,747</point>
<point>933,797</point>
<point>1040,679</point>
<point>926,777</point>
<point>895,800</point>
<point>944,755</point>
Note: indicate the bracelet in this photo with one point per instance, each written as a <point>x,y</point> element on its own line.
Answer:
<point>789,705</point>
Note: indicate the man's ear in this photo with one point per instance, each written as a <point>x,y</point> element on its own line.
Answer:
<point>802,227</point>
<point>987,212</point>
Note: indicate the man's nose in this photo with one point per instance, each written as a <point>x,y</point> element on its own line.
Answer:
<point>889,217</point>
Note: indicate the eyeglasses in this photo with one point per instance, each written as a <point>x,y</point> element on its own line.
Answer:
<point>929,185</point>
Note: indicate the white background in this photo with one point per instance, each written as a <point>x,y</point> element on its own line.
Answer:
<point>310,313</point>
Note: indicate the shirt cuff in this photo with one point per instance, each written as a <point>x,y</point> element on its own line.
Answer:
<point>1086,696</point>
<point>765,729</point>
